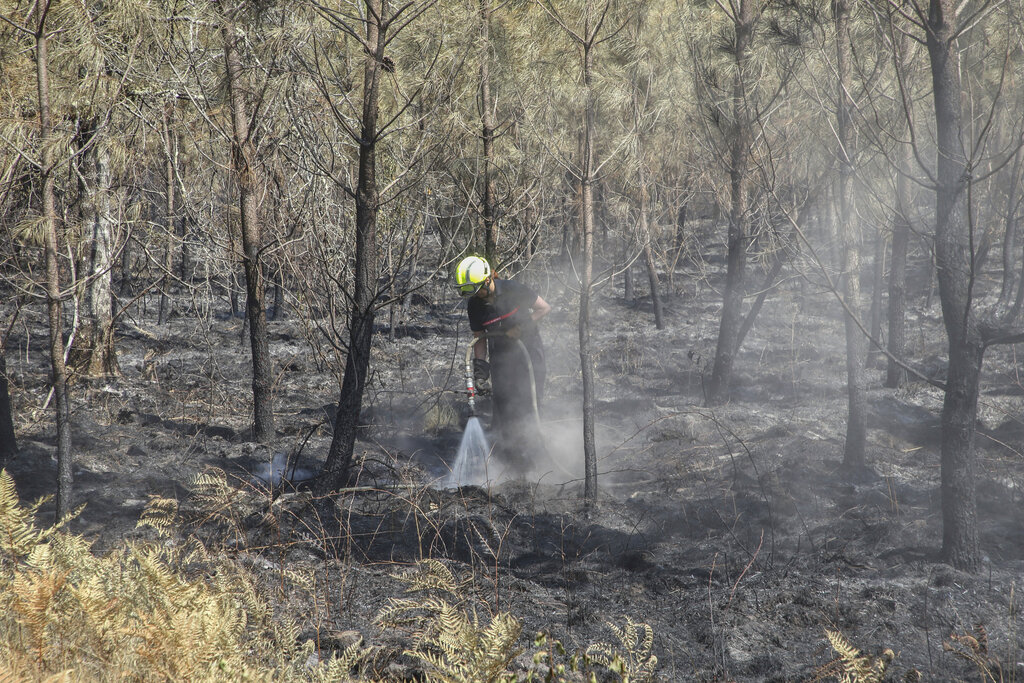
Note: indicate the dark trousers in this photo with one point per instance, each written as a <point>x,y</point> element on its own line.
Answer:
<point>514,387</point>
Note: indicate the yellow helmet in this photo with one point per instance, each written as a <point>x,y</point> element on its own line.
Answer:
<point>471,273</point>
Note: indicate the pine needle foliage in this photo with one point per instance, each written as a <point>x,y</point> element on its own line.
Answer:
<point>145,612</point>
<point>852,665</point>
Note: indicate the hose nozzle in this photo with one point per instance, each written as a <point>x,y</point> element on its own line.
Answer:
<point>470,389</point>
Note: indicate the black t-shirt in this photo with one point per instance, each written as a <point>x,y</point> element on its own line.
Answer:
<point>511,306</point>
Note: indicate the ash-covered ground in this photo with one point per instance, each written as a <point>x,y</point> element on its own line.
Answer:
<point>732,531</point>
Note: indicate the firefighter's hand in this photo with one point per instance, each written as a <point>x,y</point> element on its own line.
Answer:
<point>514,332</point>
<point>481,371</point>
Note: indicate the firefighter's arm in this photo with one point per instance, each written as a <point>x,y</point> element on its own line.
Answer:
<point>540,308</point>
<point>481,368</point>
<point>480,348</point>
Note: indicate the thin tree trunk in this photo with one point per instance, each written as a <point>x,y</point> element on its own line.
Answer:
<point>856,346</point>
<point>627,269</point>
<point>896,376</point>
<point>487,122</point>
<point>586,353</point>
<point>244,165</point>
<point>645,235</point>
<point>407,285</point>
<point>954,266</point>
<point>389,268</point>
<point>1018,301</point>
<point>1010,248</point>
<point>739,216</point>
<point>877,283</point>
<point>58,371</point>
<point>279,305</point>
<point>164,311</point>
<point>770,278</point>
<point>680,227</point>
<point>337,469</point>
<point>124,287</point>
<point>680,240</point>
<point>652,280</point>
<point>8,442</point>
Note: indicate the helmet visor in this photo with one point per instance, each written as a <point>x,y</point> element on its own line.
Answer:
<point>470,288</point>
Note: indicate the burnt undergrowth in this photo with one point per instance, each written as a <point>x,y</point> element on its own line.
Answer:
<point>733,532</point>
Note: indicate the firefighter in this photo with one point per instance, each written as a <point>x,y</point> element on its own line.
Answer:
<point>503,315</point>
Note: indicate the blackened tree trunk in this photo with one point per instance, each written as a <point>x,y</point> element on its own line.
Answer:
<point>678,243</point>
<point>245,167</point>
<point>954,265</point>
<point>338,468</point>
<point>680,227</point>
<point>170,211</point>
<point>856,345</point>
<point>645,235</point>
<point>47,169</point>
<point>739,215</point>
<point>877,284</point>
<point>587,210</point>
<point>1010,244</point>
<point>8,442</point>
<point>586,37</point>
<point>627,268</point>
<point>895,375</point>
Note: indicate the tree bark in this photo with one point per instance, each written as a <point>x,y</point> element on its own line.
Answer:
<point>97,216</point>
<point>954,265</point>
<point>244,165</point>
<point>739,216</point>
<point>337,470</point>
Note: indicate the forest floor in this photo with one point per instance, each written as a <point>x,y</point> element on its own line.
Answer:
<point>732,531</point>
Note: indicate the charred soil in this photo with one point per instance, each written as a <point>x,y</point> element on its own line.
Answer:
<point>732,531</point>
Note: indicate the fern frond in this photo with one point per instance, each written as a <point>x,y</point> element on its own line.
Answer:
<point>448,637</point>
<point>160,514</point>
<point>18,533</point>
<point>431,574</point>
<point>855,666</point>
<point>974,649</point>
<point>636,660</point>
<point>212,489</point>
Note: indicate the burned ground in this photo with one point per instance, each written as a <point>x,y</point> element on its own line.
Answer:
<point>733,531</point>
